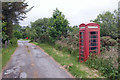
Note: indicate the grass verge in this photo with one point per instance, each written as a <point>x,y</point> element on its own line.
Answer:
<point>70,62</point>
<point>0,61</point>
<point>6,54</point>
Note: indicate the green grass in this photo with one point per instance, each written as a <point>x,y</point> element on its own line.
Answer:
<point>77,69</point>
<point>104,66</point>
<point>6,54</point>
<point>0,61</point>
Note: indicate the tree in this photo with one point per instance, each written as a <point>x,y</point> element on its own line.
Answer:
<point>58,25</point>
<point>12,12</point>
<point>119,21</point>
<point>17,31</point>
<point>108,23</point>
<point>3,35</point>
<point>39,28</point>
<point>17,34</point>
<point>17,27</point>
<point>49,29</point>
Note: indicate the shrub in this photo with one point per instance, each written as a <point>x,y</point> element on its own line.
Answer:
<point>105,66</point>
<point>17,34</point>
<point>107,41</point>
<point>13,42</point>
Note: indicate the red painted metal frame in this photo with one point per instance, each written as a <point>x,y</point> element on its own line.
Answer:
<point>84,28</point>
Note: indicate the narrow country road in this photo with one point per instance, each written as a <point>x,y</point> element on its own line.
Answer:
<point>29,61</point>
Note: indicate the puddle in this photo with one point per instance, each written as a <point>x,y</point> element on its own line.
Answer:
<point>23,75</point>
<point>12,72</point>
<point>7,72</point>
<point>34,47</point>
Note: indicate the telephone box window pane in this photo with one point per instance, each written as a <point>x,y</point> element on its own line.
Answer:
<point>82,58</point>
<point>82,55</point>
<point>81,47</point>
<point>93,51</point>
<point>93,40</point>
<point>81,44</point>
<point>94,36</point>
<point>82,51</point>
<point>92,48</point>
<point>81,41</point>
<point>93,44</point>
<point>81,33</point>
<point>81,37</point>
<point>93,33</point>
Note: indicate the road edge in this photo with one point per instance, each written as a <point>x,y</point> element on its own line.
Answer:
<point>7,64</point>
<point>55,61</point>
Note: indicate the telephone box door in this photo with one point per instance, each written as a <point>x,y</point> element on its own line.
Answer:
<point>93,42</point>
<point>81,46</point>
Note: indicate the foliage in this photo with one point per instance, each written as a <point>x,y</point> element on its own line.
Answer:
<point>3,35</point>
<point>107,41</point>
<point>58,26</point>
<point>72,40</point>
<point>71,44</point>
<point>108,23</point>
<point>28,32</point>
<point>6,54</point>
<point>119,39</point>
<point>48,29</point>
<point>13,42</point>
<point>17,34</point>
<point>0,29</point>
<point>23,33</point>
<point>38,31</point>
<point>17,27</point>
<point>12,12</point>
<point>103,65</point>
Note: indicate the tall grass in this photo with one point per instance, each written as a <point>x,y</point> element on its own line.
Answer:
<point>104,66</point>
<point>6,54</point>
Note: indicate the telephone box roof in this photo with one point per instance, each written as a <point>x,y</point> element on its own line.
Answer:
<point>89,24</point>
<point>92,24</point>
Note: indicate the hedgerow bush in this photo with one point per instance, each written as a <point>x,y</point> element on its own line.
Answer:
<point>13,42</point>
<point>103,65</point>
<point>107,42</point>
<point>71,42</point>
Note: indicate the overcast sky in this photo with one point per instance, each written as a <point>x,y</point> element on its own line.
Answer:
<point>76,11</point>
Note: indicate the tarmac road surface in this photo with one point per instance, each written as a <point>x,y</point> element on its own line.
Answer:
<point>29,61</point>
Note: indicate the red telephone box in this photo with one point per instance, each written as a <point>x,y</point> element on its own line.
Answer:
<point>89,40</point>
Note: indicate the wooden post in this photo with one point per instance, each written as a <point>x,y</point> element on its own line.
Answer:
<point>6,44</point>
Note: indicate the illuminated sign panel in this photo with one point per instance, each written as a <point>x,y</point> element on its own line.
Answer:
<point>82,27</point>
<point>92,26</point>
